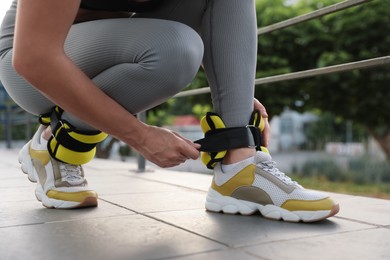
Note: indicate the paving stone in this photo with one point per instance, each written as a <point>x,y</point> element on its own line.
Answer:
<point>13,194</point>
<point>160,201</point>
<point>371,244</point>
<point>125,237</point>
<point>119,183</point>
<point>32,212</point>
<point>9,158</point>
<point>15,181</point>
<point>370,210</point>
<point>237,230</point>
<point>190,180</point>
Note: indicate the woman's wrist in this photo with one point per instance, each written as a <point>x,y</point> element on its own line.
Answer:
<point>133,133</point>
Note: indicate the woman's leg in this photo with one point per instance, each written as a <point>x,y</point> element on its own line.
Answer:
<point>140,63</point>
<point>229,32</point>
<point>230,40</point>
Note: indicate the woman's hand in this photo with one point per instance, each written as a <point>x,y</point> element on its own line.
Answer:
<point>166,148</point>
<point>258,106</point>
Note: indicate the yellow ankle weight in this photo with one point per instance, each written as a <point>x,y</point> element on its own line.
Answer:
<point>210,122</point>
<point>68,144</point>
<point>212,125</point>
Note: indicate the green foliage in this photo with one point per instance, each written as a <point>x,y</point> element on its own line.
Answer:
<point>325,168</point>
<point>354,34</point>
<point>357,171</point>
<point>350,35</point>
<point>376,190</point>
<point>18,132</point>
<point>159,117</point>
<point>201,110</point>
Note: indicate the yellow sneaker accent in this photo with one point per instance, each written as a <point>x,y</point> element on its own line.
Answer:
<point>71,196</point>
<point>41,155</point>
<point>244,178</point>
<point>308,205</point>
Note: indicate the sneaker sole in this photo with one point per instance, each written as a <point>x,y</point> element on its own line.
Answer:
<point>61,204</point>
<point>28,169</point>
<point>26,163</point>
<point>216,202</point>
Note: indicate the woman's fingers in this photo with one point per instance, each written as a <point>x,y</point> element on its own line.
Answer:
<point>266,132</point>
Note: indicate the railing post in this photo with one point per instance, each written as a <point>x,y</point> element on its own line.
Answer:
<point>28,126</point>
<point>141,160</point>
<point>8,124</point>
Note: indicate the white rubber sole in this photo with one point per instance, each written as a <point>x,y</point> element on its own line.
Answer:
<point>26,163</point>
<point>216,202</point>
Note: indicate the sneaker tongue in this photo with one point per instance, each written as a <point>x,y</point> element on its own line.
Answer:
<point>262,157</point>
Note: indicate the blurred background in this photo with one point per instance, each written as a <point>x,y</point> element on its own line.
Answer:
<point>328,131</point>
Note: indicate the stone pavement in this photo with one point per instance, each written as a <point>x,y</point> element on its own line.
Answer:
<point>160,215</point>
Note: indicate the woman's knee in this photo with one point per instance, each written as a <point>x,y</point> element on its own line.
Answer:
<point>182,56</point>
<point>21,92</point>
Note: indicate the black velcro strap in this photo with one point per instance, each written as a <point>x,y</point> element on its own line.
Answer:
<point>230,138</point>
<point>62,136</point>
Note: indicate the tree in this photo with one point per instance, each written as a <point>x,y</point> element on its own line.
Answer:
<point>351,35</point>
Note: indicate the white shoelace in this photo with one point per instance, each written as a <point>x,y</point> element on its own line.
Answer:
<point>71,173</point>
<point>270,167</point>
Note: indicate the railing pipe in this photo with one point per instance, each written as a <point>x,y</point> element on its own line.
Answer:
<point>141,160</point>
<point>303,74</point>
<point>312,15</point>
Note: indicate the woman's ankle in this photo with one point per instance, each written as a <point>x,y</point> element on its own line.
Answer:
<point>236,155</point>
<point>46,134</point>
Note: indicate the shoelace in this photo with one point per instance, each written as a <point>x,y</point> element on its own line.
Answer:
<point>270,167</point>
<point>71,173</point>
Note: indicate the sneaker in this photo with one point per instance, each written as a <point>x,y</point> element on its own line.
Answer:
<point>259,186</point>
<point>59,185</point>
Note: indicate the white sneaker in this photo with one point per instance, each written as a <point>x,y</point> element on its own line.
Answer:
<point>260,186</point>
<point>59,185</point>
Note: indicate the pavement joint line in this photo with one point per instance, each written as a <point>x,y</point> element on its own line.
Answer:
<point>64,221</point>
<point>168,223</point>
<point>255,256</point>
<point>193,254</point>
<point>187,230</point>
<point>23,225</point>
<point>118,205</point>
<point>361,222</point>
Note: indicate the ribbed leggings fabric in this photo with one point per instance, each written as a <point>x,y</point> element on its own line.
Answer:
<point>142,61</point>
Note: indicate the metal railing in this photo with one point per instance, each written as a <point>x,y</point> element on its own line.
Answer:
<point>363,64</point>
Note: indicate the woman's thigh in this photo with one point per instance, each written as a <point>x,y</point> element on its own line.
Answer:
<point>138,62</point>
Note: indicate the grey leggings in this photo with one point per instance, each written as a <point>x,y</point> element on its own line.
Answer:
<point>142,61</point>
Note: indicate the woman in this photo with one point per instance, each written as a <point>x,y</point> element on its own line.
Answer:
<point>88,66</point>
